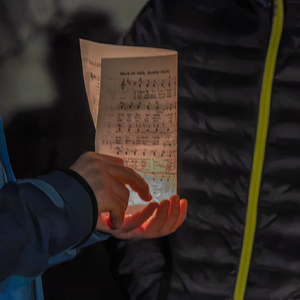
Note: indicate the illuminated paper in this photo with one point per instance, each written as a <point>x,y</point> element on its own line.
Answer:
<point>132,94</point>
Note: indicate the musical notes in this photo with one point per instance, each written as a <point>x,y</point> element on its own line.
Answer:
<point>159,88</point>
<point>139,125</point>
<point>158,106</point>
<point>95,77</point>
<point>133,101</point>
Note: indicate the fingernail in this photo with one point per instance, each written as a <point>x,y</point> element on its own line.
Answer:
<point>150,197</point>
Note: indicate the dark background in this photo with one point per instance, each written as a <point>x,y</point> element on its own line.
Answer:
<point>45,110</point>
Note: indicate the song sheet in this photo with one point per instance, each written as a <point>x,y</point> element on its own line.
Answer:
<point>132,93</point>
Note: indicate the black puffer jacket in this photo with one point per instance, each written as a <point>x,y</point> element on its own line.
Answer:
<point>223,51</point>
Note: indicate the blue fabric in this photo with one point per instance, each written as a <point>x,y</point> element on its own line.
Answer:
<point>4,155</point>
<point>17,287</point>
<point>48,190</point>
<point>3,177</point>
<point>38,220</point>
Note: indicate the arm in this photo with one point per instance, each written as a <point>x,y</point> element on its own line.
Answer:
<point>41,218</point>
<point>44,217</point>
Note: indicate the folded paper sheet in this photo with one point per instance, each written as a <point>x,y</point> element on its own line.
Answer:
<point>132,93</point>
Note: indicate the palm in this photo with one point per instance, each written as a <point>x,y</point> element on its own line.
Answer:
<point>143,224</point>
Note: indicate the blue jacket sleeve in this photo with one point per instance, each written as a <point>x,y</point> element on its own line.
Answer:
<point>41,218</point>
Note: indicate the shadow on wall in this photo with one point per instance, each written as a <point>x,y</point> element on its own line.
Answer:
<point>44,139</point>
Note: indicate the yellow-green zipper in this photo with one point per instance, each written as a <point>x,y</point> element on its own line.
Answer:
<point>259,150</point>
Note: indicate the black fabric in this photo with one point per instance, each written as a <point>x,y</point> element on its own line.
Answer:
<point>89,190</point>
<point>222,46</point>
<point>138,267</point>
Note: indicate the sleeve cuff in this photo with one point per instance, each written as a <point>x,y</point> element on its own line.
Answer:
<point>90,192</point>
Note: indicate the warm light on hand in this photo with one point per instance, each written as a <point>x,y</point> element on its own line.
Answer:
<point>147,223</point>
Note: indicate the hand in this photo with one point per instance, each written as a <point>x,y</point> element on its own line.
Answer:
<point>169,216</point>
<point>107,177</point>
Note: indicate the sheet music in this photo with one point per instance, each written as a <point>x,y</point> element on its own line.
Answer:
<point>133,101</point>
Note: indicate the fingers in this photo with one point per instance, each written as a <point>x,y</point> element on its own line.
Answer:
<point>124,175</point>
<point>137,219</point>
<point>177,214</point>
<point>107,176</point>
<point>168,217</point>
<point>132,225</point>
<point>174,212</point>
<point>112,159</point>
<point>183,212</point>
<point>130,177</point>
<point>114,199</point>
<point>155,224</point>
<point>117,214</point>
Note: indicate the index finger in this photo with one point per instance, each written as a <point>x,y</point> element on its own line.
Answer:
<point>138,218</point>
<point>111,159</point>
<point>134,180</point>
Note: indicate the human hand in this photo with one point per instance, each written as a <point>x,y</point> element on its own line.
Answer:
<point>169,216</point>
<point>107,176</point>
